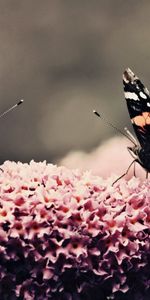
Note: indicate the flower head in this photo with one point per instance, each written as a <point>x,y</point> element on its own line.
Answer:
<point>67,234</point>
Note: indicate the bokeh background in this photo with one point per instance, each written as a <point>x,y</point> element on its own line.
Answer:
<point>65,58</point>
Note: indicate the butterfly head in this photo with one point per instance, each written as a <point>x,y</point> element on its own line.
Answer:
<point>134,151</point>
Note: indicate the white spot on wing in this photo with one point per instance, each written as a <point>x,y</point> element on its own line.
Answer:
<point>132,96</point>
<point>143,95</point>
<point>148,104</point>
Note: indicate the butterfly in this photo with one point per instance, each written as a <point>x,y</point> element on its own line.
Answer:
<point>138,103</point>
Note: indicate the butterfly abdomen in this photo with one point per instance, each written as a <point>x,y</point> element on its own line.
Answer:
<point>144,157</point>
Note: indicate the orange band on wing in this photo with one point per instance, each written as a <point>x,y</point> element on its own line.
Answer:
<point>145,115</point>
<point>139,121</point>
<point>142,120</point>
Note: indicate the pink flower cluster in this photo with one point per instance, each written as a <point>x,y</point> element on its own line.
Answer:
<point>70,235</point>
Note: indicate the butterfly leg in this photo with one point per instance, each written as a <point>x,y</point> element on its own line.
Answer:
<point>147,174</point>
<point>133,162</point>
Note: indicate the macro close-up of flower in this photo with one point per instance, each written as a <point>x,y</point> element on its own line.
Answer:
<point>67,234</point>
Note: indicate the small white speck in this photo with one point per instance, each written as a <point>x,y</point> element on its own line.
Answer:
<point>148,104</point>
<point>143,95</point>
<point>132,96</point>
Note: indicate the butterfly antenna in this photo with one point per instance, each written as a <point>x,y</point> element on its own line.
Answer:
<point>11,108</point>
<point>114,127</point>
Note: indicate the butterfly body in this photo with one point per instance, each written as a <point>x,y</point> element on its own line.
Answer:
<point>144,158</point>
<point>141,156</point>
<point>138,103</point>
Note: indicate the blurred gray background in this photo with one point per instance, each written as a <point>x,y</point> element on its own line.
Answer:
<point>66,58</point>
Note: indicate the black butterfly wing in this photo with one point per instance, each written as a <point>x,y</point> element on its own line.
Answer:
<point>138,103</point>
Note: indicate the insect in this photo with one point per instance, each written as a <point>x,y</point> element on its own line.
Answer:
<point>138,102</point>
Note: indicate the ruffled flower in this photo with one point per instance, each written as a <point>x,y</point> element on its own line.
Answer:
<point>67,234</point>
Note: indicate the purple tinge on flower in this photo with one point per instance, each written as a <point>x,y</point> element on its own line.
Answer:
<point>71,235</point>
